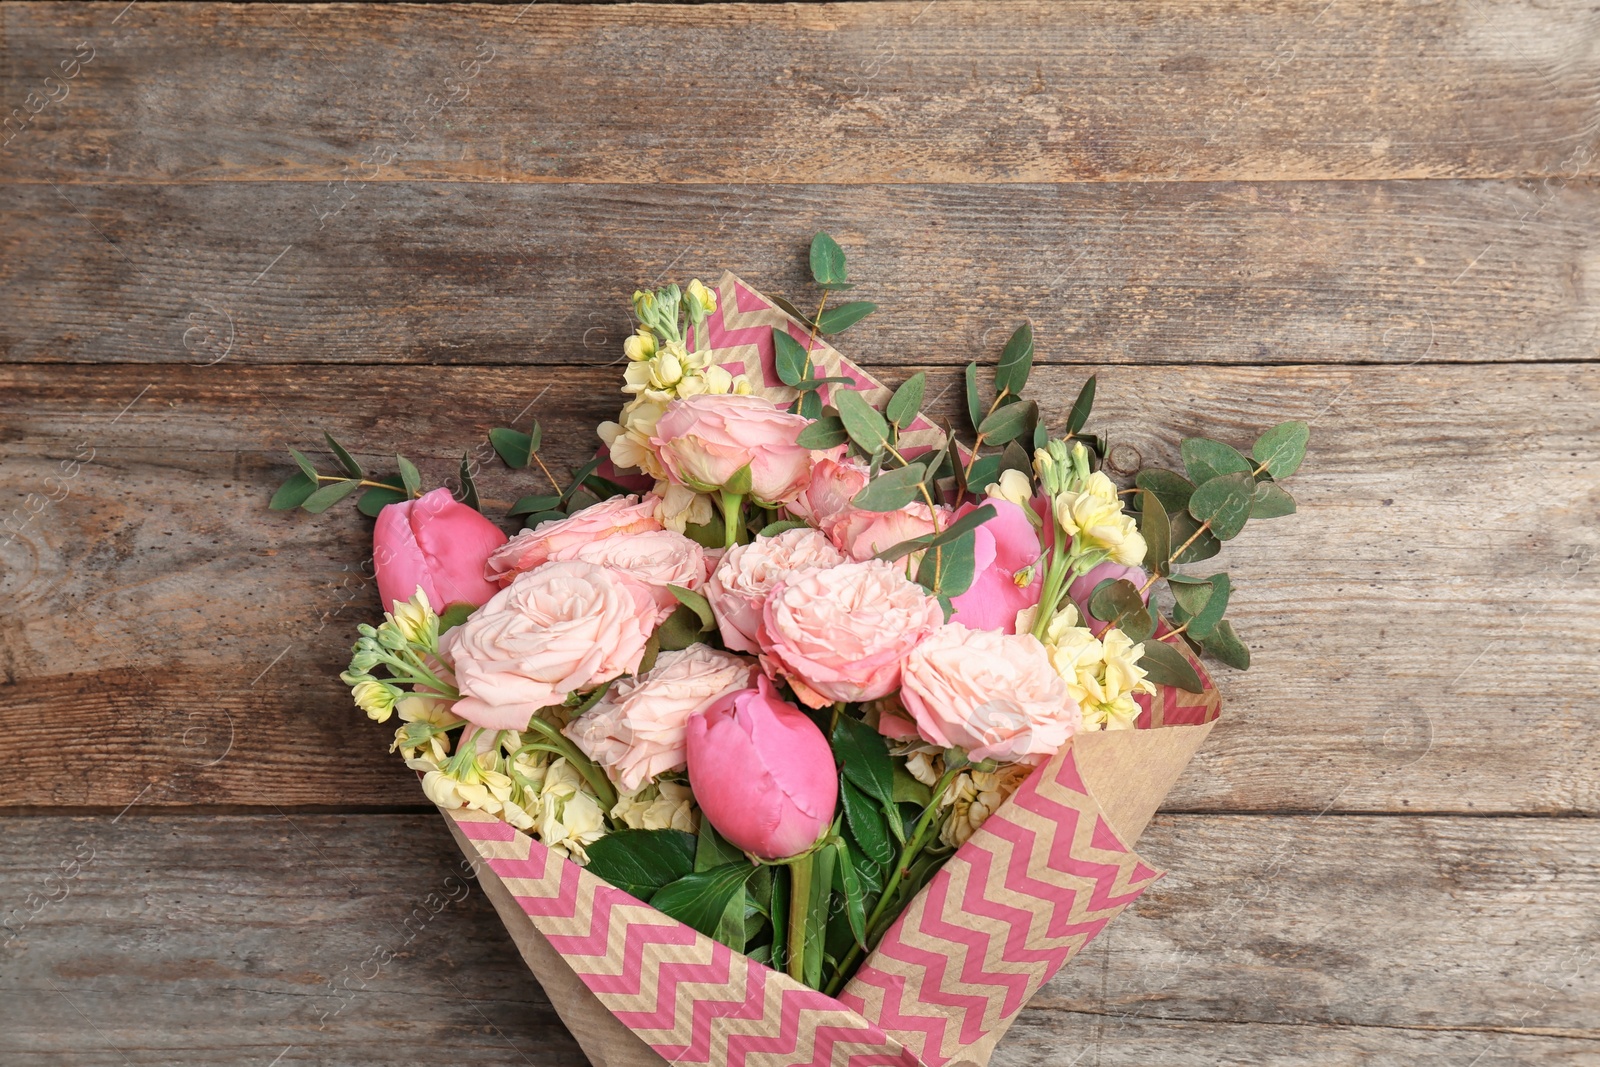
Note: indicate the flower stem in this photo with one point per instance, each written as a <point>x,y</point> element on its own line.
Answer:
<point>732,517</point>
<point>799,912</point>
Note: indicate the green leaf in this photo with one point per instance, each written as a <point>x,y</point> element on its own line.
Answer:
<point>1204,619</point>
<point>1225,502</point>
<point>1114,598</point>
<point>817,383</point>
<point>1169,487</point>
<point>985,472</point>
<point>377,498</point>
<point>639,862</point>
<point>578,478</point>
<point>974,402</point>
<point>825,432</point>
<point>855,898</point>
<point>1157,531</point>
<point>1016,362</point>
<point>528,505</point>
<point>817,917</point>
<point>1016,458</point>
<point>410,477</point>
<point>1009,421</point>
<point>865,424</point>
<point>773,529</point>
<point>455,614</point>
<point>827,263</point>
<point>698,899</point>
<point>329,495</point>
<point>469,489</point>
<point>863,756</point>
<point>1205,459</point>
<point>292,493</point>
<point>1282,448</point>
<point>1191,594</point>
<point>695,603</point>
<point>892,490</point>
<point>740,482</point>
<point>811,405</point>
<point>1225,646</point>
<point>1184,526</point>
<point>867,823</point>
<point>948,571</point>
<point>839,319</point>
<point>529,522</point>
<point>908,790</point>
<point>306,466</point>
<point>791,357</point>
<point>788,306</point>
<point>869,871</point>
<point>731,926</point>
<point>907,400</point>
<point>680,629</point>
<point>514,447</point>
<point>1079,415</point>
<point>970,521</point>
<point>1165,665</point>
<point>1271,501</point>
<point>346,460</point>
<point>712,849</point>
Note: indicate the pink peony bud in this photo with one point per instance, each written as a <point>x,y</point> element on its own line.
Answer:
<point>762,772</point>
<point>435,543</point>
<point>1007,575</point>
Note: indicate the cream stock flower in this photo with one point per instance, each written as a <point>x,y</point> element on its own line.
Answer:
<point>664,805</point>
<point>976,795</point>
<point>1015,487</point>
<point>1102,674</point>
<point>640,345</point>
<point>701,300</point>
<point>415,620</point>
<point>570,818</point>
<point>375,698</point>
<point>1093,516</point>
<point>427,719</point>
<point>628,440</point>
<point>678,507</point>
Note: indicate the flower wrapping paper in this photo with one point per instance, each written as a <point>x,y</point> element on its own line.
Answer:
<point>1041,877</point>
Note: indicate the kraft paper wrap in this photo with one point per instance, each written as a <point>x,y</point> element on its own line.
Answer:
<point>1036,883</point>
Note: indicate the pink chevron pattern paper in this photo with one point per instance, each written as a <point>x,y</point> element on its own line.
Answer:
<point>692,999</point>
<point>1036,883</point>
<point>1176,707</point>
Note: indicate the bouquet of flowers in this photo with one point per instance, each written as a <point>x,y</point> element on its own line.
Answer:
<point>795,726</point>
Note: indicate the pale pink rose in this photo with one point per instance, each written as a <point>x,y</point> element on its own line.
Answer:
<point>826,497</point>
<point>704,440</point>
<point>840,633</point>
<point>995,695</point>
<point>739,586</point>
<point>560,629</point>
<point>863,534</point>
<point>636,731</point>
<point>560,539</point>
<point>657,558</point>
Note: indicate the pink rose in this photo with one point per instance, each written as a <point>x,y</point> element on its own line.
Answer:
<point>436,544</point>
<point>994,695</point>
<point>863,534</point>
<point>559,539</point>
<point>840,633</point>
<point>826,497</point>
<point>657,558</point>
<point>739,586</point>
<point>558,630</point>
<point>636,731</point>
<point>704,440</point>
<point>762,772</point>
<point>1082,590</point>
<point>1006,579</point>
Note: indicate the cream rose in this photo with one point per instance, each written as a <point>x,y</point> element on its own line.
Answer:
<point>739,586</point>
<point>840,633</point>
<point>560,539</point>
<point>561,629</point>
<point>657,559</point>
<point>995,695</point>
<point>636,731</point>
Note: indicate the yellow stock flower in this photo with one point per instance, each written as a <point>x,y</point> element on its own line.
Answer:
<point>1094,518</point>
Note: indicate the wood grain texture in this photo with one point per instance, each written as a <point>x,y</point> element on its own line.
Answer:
<point>1446,541</point>
<point>334,940</point>
<point>474,274</point>
<point>843,93</point>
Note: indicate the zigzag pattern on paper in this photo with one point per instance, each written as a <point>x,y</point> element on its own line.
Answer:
<point>1177,707</point>
<point>1040,879</point>
<point>692,999</point>
<point>739,336</point>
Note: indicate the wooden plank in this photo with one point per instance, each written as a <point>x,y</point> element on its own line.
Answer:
<point>354,940</point>
<point>838,93</point>
<point>1446,542</point>
<point>1157,272</point>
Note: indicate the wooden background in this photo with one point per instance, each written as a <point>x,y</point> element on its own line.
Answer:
<point>236,226</point>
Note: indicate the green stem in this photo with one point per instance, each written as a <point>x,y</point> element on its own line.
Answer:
<point>799,912</point>
<point>604,791</point>
<point>1050,595</point>
<point>902,870</point>
<point>732,517</point>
